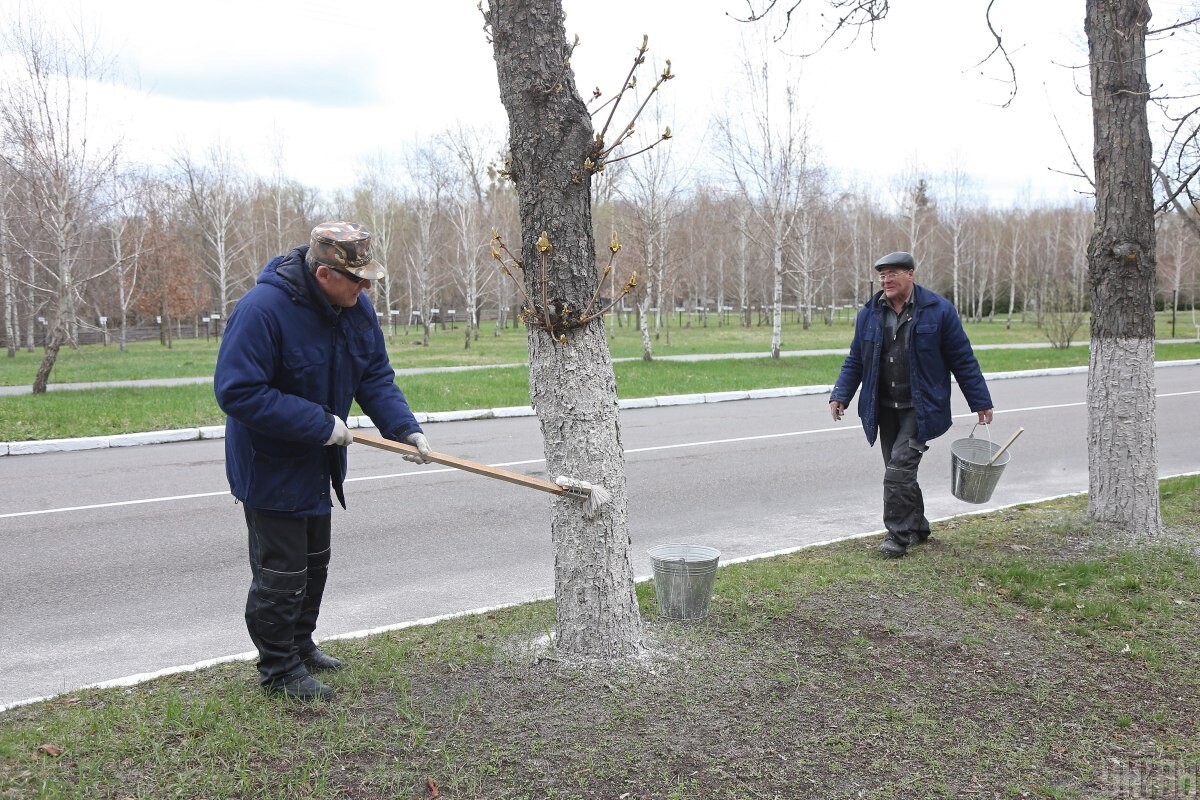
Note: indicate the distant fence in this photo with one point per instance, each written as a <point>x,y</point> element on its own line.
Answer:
<point>92,334</point>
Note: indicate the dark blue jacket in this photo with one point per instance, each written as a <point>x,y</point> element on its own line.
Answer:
<point>290,361</point>
<point>938,348</point>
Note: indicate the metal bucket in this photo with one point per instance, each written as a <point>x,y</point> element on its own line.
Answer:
<point>684,575</point>
<point>972,479</point>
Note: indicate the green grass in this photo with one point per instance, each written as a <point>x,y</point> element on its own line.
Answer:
<point>1021,653</point>
<point>196,357</point>
<point>98,412</point>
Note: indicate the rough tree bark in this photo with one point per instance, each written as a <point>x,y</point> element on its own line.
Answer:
<point>1122,441</point>
<point>571,378</point>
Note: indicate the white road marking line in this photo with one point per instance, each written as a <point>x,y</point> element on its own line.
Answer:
<point>628,451</point>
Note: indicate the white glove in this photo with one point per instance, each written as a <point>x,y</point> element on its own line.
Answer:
<point>418,441</point>
<point>341,434</point>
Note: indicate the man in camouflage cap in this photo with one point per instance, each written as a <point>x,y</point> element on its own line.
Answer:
<point>301,346</point>
<point>345,246</point>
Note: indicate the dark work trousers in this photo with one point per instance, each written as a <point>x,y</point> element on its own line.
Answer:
<point>289,561</point>
<point>903,503</point>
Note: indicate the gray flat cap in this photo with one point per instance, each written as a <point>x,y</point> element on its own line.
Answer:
<point>899,259</point>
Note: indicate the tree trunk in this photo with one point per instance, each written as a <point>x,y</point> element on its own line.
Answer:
<point>50,355</point>
<point>571,382</point>
<point>644,302</point>
<point>1122,442</point>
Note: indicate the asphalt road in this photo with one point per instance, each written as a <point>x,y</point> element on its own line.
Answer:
<point>127,561</point>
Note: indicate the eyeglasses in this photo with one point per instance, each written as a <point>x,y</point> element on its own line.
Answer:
<point>345,274</point>
<point>890,276</point>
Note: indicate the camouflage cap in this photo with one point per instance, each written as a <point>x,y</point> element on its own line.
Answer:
<point>345,246</point>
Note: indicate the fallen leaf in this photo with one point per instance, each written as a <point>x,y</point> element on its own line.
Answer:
<point>52,750</point>
<point>432,787</point>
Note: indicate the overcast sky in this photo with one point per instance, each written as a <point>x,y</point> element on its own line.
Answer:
<point>330,86</point>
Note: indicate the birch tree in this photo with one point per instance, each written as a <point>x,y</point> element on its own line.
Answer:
<point>957,214</point>
<point>554,153</point>
<point>50,149</point>
<point>7,276</point>
<point>467,197</point>
<point>652,187</point>
<point>128,228</point>
<point>216,199</point>
<point>376,204</point>
<point>425,203</point>
<point>765,152</point>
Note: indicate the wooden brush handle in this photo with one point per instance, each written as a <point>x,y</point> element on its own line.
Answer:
<point>1011,439</point>
<point>460,463</point>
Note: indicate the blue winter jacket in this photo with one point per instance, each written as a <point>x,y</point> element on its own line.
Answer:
<point>290,361</point>
<point>938,347</point>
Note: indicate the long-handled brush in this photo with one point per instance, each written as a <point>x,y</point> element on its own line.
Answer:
<point>1011,439</point>
<point>595,496</point>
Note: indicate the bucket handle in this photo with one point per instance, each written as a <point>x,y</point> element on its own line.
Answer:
<point>987,429</point>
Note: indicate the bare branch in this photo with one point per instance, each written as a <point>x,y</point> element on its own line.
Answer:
<point>1173,195</point>
<point>854,14</point>
<point>1173,26</point>
<point>999,48</point>
<point>1082,173</point>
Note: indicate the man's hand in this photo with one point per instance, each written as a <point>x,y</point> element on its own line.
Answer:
<point>418,441</point>
<point>837,409</point>
<point>341,434</point>
<point>985,417</point>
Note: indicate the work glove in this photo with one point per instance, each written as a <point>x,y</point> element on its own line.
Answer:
<point>418,441</point>
<point>341,434</point>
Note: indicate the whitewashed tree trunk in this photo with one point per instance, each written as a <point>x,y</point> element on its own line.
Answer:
<point>571,380</point>
<point>1122,441</point>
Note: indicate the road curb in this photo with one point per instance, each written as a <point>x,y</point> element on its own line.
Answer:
<point>41,446</point>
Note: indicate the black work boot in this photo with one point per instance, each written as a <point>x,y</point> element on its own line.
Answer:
<point>892,547</point>
<point>317,661</point>
<point>303,687</point>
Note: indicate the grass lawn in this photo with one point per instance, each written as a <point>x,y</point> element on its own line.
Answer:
<point>1021,653</point>
<point>98,412</point>
<point>196,357</point>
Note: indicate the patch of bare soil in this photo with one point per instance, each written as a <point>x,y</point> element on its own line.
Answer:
<point>896,694</point>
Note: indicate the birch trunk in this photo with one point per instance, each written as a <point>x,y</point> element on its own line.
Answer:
<point>1122,442</point>
<point>572,384</point>
<point>644,303</point>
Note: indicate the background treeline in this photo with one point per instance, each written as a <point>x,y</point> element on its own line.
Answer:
<point>168,253</point>
<point>96,245</point>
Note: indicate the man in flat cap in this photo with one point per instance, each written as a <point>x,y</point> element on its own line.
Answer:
<point>908,341</point>
<point>300,346</point>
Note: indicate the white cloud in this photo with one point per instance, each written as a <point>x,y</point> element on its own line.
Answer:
<point>339,84</point>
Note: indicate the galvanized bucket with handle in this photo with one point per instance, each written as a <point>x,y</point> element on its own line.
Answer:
<point>684,575</point>
<point>976,466</point>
